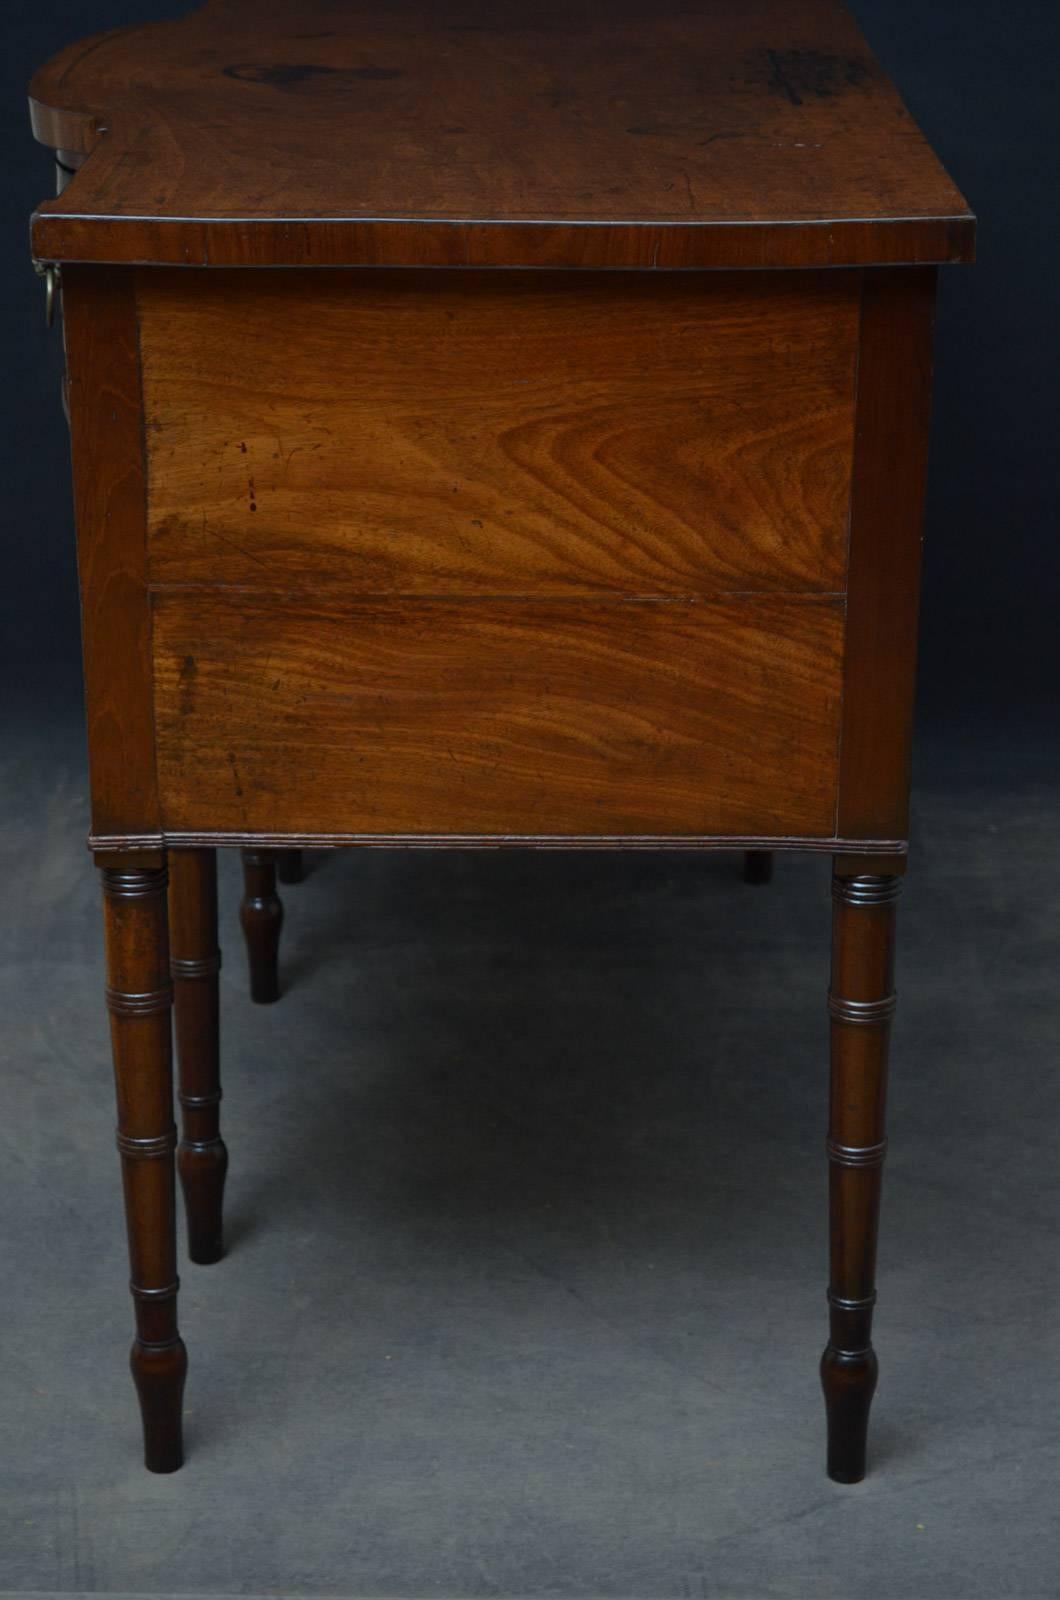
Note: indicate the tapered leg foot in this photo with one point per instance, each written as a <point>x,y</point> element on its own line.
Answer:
<point>159,1373</point>
<point>861,1002</point>
<point>203,1170</point>
<point>758,866</point>
<point>290,866</point>
<point>261,915</point>
<point>139,997</point>
<point>849,1383</point>
<point>195,962</point>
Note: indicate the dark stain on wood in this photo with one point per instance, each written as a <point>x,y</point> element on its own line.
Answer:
<point>800,75</point>
<point>188,671</point>
<point>290,75</point>
<point>280,76</point>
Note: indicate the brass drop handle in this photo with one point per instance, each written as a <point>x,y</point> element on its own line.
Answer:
<point>50,273</point>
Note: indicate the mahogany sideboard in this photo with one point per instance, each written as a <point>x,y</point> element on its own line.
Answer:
<point>493,424</point>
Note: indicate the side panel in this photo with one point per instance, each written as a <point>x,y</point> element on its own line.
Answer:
<point>456,555</point>
<point>643,636</point>
<point>529,718</point>
<point>477,433</point>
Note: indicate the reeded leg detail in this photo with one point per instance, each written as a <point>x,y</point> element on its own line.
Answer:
<point>139,997</point>
<point>195,961</point>
<point>861,1002</point>
<point>290,867</point>
<point>758,866</point>
<point>261,915</point>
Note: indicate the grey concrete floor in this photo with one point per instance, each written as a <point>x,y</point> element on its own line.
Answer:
<point>525,1292</point>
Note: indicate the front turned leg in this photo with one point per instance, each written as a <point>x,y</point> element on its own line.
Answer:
<point>861,1002</point>
<point>261,914</point>
<point>195,961</point>
<point>139,998</point>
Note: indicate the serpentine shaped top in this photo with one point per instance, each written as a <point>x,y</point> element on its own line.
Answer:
<point>553,133</point>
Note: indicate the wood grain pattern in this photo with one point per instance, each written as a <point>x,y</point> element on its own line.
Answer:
<point>890,465</point>
<point>499,433</point>
<point>497,717</point>
<point>561,133</point>
<point>103,368</point>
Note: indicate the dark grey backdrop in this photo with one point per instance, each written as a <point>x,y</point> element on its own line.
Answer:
<point>980,77</point>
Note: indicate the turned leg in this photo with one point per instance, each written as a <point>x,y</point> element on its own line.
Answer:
<point>758,866</point>
<point>861,1002</point>
<point>195,962</point>
<point>290,868</point>
<point>139,998</point>
<point>261,915</point>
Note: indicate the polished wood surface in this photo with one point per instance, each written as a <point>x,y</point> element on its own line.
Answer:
<point>261,918</point>
<point>195,962</point>
<point>507,717</point>
<point>261,914</point>
<point>139,996</point>
<point>493,133</point>
<point>886,510</point>
<point>861,1003</point>
<point>106,443</point>
<point>500,433</point>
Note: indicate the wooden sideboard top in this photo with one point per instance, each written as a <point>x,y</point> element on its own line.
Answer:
<point>537,133</point>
